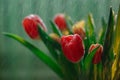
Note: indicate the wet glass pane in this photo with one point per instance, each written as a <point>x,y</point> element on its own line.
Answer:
<point>16,61</point>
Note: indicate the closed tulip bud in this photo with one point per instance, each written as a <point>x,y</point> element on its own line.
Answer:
<point>73,48</point>
<point>97,56</point>
<point>59,20</point>
<point>78,28</point>
<point>30,24</point>
<point>65,32</point>
<point>55,37</point>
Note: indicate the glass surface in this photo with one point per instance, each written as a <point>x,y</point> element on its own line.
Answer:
<point>16,61</point>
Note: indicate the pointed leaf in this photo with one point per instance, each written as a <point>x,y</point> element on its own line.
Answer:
<point>117,32</point>
<point>41,55</point>
<point>107,48</point>
<point>69,23</point>
<point>90,34</point>
<point>102,36</point>
<point>91,29</point>
<point>46,38</point>
<point>116,48</point>
<point>51,44</point>
<point>86,42</point>
<point>116,66</point>
<point>55,29</point>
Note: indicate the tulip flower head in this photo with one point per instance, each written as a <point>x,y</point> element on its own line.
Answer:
<point>72,47</point>
<point>59,20</point>
<point>30,24</point>
<point>55,37</point>
<point>78,28</point>
<point>97,56</point>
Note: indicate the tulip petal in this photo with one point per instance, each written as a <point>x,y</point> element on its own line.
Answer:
<point>72,47</point>
<point>89,58</point>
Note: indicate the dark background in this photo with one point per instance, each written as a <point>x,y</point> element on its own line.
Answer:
<point>17,62</point>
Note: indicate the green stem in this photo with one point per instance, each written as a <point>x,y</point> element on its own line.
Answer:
<point>95,72</point>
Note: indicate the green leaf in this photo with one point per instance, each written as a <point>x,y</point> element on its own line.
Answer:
<point>69,23</point>
<point>104,24</point>
<point>55,29</point>
<point>86,43</point>
<point>71,70</point>
<point>116,66</point>
<point>51,44</point>
<point>102,36</point>
<point>116,48</point>
<point>117,33</point>
<point>41,55</point>
<point>91,29</point>
<point>46,38</point>
<point>89,58</point>
<point>108,43</point>
<point>90,34</point>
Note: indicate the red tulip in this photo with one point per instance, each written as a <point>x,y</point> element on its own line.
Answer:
<point>97,56</point>
<point>72,47</point>
<point>30,24</point>
<point>59,20</point>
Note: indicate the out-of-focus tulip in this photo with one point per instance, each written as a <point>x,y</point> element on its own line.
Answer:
<point>55,37</point>
<point>59,20</point>
<point>78,28</point>
<point>73,48</point>
<point>97,56</point>
<point>30,24</point>
<point>65,32</point>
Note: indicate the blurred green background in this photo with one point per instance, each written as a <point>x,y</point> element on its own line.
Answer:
<point>17,62</point>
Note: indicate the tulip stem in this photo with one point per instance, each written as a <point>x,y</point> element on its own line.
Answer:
<point>95,71</point>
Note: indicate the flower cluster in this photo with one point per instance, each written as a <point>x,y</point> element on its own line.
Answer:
<point>78,52</point>
<point>72,45</point>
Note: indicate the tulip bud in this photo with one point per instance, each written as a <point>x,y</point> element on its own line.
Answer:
<point>55,37</point>
<point>59,20</point>
<point>97,56</point>
<point>30,24</point>
<point>65,32</point>
<point>78,28</point>
<point>72,47</point>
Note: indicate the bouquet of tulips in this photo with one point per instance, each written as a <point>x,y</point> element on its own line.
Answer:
<point>78,51</point>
